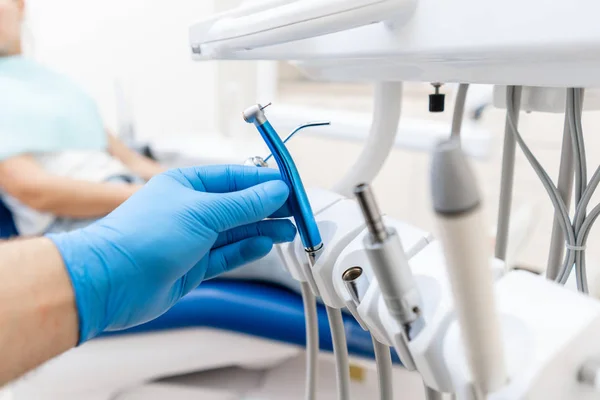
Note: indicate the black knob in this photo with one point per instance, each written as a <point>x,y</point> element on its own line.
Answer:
<point>437,102</point>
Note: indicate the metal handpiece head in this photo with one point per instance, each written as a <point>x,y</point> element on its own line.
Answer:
<point>255,114</point>
<point>371,212</point>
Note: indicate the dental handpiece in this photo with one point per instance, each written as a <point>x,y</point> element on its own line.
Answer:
<point>391,267</point>
<point>258,161</point>
<point>298,200</point>
<point>462,231</point>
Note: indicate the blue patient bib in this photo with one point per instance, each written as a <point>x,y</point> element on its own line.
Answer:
<point>42,111</point>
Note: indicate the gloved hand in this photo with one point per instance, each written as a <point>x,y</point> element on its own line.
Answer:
<point>183,227</point>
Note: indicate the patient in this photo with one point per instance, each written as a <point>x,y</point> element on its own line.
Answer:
<point>60,168</point>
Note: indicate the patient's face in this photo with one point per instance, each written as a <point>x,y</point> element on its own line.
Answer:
<point>11,18</point>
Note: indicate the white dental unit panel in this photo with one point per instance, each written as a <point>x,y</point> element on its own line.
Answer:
<point>548,333</point>
<point>546,46</point>
<point>413,239</point>
<point>339,225</point>
<point>535,43</point>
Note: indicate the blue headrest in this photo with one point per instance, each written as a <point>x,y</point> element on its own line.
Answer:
<point>7,223</point>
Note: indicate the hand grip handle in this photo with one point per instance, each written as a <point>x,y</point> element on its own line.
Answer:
<point>298,20</point>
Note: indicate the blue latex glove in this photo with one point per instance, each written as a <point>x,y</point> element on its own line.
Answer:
<point>183,227</point>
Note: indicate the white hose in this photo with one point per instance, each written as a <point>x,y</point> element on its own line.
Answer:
<point>384,127</point>
<point>312,340</point>
<point>565,188</point>
<point>507,181</point>
<point>383,359</point>
<point>340,352</point>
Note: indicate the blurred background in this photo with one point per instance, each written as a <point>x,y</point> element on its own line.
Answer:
<point>133,57</point>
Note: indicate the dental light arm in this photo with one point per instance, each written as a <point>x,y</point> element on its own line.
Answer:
<point>290,21</point>
<point>458,208</point>
<point>384,128</point>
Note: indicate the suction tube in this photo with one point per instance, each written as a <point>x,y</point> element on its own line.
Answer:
<point>458,208</point>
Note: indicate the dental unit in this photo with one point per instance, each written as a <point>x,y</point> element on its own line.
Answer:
<point>276,21</point>
<point>462,320</point>
<point>391,293</point>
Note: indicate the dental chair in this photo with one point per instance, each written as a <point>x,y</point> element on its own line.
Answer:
<point>7,224</point>
<point>223,323</point>
<point>467,327</point>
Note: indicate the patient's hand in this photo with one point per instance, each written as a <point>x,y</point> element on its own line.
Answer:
<point>24,179</point>
<point>137,163</point>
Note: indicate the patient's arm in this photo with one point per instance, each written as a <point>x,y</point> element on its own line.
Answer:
<point>24,179</point>
<point>38,315</point>
<point>138,164</point>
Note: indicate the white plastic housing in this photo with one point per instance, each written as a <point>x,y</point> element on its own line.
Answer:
<point>545,99</point>
<point>289,22</point>
<point>339,225</point>
<point>201,29</point>
<point>547,43</point>
<point>395,332</point>
<point>368,312</point>
<point>429,269</point>
<point>413,239</point>
<point>375,315</point>
<point>549,332</point>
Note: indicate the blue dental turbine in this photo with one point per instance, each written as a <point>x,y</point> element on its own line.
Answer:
<point>298,200</point>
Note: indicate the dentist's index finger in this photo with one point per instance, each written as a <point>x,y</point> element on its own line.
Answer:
<point>228,178</point>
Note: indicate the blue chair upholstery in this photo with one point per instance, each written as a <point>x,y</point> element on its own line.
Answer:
<point>7,223</point>
<point>256,309</point>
